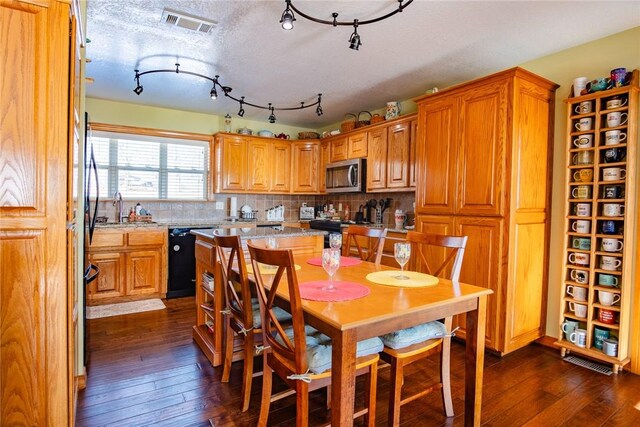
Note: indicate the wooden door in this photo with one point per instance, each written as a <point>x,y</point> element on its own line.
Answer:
<point>34,108</point>
<point>339,149</point>
<point>110,281</point>
<point>482,266</point>
<point>482,157</point>
<point>325,158</point>
<point>234,163</point>
<point>436,156</point>
<point>305,167</point>
<point>143,272</point>
<point>258,165</point>
<point>413,143</point>
<point>377,160</point>
<point>398,155</point>
<point>357,145</point>
<point>281,167</point>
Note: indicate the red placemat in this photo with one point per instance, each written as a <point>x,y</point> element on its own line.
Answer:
<point>345,261</point>
<point>344,291</point>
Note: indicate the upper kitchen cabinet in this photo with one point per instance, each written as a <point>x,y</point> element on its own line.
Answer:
<point>357,145</point>
<point>377,160</point>
<point>281,167</point>
<point>484,162</point>
<point>325,158</point>
<point>306,161</point>
<point>338,149</point>
<point>231,163</point>
<point>259,165</point>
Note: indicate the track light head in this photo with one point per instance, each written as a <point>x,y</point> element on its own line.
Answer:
<point>354,39</point>
<point>213,93</point>
<point>138,90</point>
<point>272,117</point>
<point>241,110</point>
<point>287,18</point>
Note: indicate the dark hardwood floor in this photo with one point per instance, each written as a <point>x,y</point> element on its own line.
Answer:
<point>145,370</point>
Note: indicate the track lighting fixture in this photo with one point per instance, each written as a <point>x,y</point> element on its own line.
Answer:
<point>354,40</point>
<point>227,90</point>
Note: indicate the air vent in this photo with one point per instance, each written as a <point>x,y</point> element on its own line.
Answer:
<point>184,20</point>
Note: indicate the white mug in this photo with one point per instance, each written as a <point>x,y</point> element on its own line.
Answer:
<point>610,347</point>
<point>584,141</point>
<point>581,226</point>
<point>579,84</point>
<point>579,276</point>
<point>579,310</point>
<point>583,209</point>
<point>579,258</point>
<point>586,123</point>
<point>608,298</point>
<point>579,336</point>
<point>613,174</point>
<point>584,107</point>
<point>578,293</point>
<point>612,209</point>
<point>615,103</point>
<point>608,262</point>
<point>611,245</point>
<point>614,119</point>
<point>614,137</point>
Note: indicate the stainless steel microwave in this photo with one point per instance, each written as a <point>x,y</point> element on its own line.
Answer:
<point>348,176</point>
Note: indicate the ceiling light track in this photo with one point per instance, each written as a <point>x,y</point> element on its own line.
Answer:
<point>226,90</point>
<point>288,18</point>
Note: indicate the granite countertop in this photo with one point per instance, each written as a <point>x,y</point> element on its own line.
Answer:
<point>190,224</point>
<point>261,232</point>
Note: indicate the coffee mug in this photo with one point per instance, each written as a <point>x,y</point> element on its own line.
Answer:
<point>581,192</point>
<point>568,326</point>
<point>615,102</point>
<point>614,137</point>
<point>581,226</point>
<point>608,262</point>
<point>613,174</point>
<point>607,280</point>
<point>579,258</point>
<point>586,123</point>
<point>614,154</point>
<point>579,84</point>
<point>583,158</point>
<point>606,316</point>
<point>584,107</point>
<point>609,227</point>
<point>599,334</point>
<point>581,243</point>
<point>579,336</point>
<point>580,310</point>
<point>611,245</point>
<point>614,119</point>
<point>608,298</point>
<point>619,76</point>
<point>578,293</point>
<point>584,141</point>
<point>612,209</point>
<point>582,209</point>
<point>583,175</point>
<point>613,192</point>
<point>610,347</point>
<point>579,276</point>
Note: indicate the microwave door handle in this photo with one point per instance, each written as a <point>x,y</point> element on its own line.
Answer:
<point>352,176</point>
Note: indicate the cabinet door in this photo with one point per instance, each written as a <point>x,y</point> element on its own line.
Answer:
<point>357,145</point>
<point>325,158</point>
<point>413,143</point>
<point>432,224</point>
<point>377,160</point>
<point>110,281</point>
<point>305,166</point>
<point>436,156</point>
<point>258,165</point>
<point>281,167</point>
<point>482,144</point>
<point>143,272</point>
<point>398,138</point>
<point>338,150</point>
<point>234,163</point>
<point>481,266</point>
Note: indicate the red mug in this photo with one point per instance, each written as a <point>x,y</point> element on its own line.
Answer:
<point>606,315</point>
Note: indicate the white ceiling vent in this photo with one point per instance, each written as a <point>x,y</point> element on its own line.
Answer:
<point>184,20</point>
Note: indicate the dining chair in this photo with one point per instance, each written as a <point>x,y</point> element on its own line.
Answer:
<point>408,345</point>
<point>299,354</point>
<point>374,238</point>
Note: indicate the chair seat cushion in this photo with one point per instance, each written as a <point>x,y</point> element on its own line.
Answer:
<point>413,335</point>
<point>281,315</point>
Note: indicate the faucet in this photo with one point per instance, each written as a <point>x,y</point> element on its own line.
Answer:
<point>117,202</point>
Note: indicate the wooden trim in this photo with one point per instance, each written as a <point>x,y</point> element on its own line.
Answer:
<point>548,341</point>
<point>82,379</point>
<point>105,127</point>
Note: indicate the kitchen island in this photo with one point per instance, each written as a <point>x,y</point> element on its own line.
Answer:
<point>208,331</point>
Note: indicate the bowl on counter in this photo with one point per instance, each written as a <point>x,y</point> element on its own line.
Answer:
<point>265,133</point>
<point>245,131</point>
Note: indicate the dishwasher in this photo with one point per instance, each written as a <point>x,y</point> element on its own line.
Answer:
<point>182,262</point>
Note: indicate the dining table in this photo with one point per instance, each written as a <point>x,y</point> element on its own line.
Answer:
<point>385,309</point>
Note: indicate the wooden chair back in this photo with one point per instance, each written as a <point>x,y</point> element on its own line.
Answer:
<point>420,241</point>
<point>374,237</point>
<point>291,353</point>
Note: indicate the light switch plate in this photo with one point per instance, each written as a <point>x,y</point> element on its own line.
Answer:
<point>219,206</point>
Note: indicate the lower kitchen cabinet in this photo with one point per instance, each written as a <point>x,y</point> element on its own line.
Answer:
<point>111,280</point>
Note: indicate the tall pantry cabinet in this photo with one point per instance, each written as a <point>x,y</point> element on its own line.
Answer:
<point>484,171</point>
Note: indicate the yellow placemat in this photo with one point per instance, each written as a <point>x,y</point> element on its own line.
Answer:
<point>390,278</point>
<point>267,269</point>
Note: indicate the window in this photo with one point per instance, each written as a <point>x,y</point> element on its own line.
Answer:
<point>150,167</point>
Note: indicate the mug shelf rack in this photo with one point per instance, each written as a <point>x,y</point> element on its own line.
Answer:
<point>610,162</point>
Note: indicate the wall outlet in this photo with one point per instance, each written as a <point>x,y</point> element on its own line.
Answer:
<point>219,206</point>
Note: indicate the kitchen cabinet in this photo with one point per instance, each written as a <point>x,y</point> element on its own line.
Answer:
<point>357,145</point>
<point>231,169</point>
<point>325,159</point>
<point>259,165</point>
<point>398,155</point>
<point>281,167</point>
<point>484,166</point>
<point>377,159</point>
<point>412,153</point>
<point>306,160</point>
<point>339,149</point>
<point>132,262</point>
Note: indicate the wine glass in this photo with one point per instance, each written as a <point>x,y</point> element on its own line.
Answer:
<point>402,253</point>
<point>335,240</point>
<point>271,243</point>
<point>330,263</point>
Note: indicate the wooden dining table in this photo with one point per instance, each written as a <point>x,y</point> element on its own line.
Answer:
<point>386,309</point>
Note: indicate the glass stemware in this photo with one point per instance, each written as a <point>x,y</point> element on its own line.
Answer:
<point>271,243</point>
<point>330,263</point>
<point>402,253</point>
<point>335,240</point>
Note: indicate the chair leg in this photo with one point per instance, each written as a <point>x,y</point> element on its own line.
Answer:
<point>371,384</point>
<point>302,404</point>
<point>445,371</point>
<point>247,372</point>
<point>228,350</point>
<point>395,395</point>
<point>267,374</point>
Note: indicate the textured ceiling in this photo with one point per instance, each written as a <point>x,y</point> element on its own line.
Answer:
<point>432,43</point>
